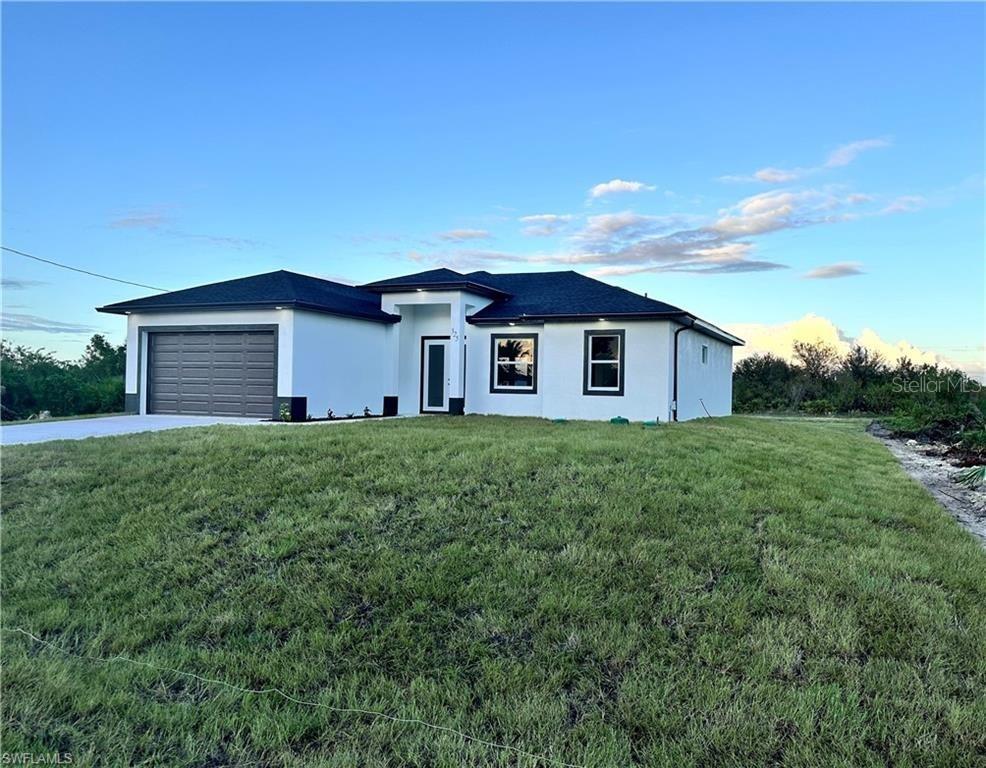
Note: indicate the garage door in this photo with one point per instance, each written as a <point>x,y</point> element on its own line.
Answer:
<point>223,373</point>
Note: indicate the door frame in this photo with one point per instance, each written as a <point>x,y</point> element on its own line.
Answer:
<point>421,380</point>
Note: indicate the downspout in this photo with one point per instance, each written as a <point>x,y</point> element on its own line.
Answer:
<point>674,395</point>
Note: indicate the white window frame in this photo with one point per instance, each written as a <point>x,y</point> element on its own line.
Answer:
<point>620,362</point>
<point>705,354</point>
<point>496,361</point>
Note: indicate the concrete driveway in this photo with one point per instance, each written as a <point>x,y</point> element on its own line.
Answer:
<point>78,429</point>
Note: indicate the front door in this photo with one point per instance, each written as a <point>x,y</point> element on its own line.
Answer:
<point>434,375</point>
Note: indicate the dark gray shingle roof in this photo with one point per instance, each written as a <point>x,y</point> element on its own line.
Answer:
<point>281,288</point>
<point>446,279</point>
<point>562,294</point>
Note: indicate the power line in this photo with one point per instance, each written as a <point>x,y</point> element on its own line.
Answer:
<point>83,271</point>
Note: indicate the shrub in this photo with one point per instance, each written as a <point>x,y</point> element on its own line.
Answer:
<point>913,399</point>
<point>34,380</point>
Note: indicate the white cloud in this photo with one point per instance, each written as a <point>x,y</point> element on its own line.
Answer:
<point>619,185</point>
<point>777,175</point>
<point>779,340</point>
<point>625,225</point>
<point>13,321</point>
<point>904,204</point>
<point>838,158</point>
<point>545,224</point>
<point>628,242</point>
<point>842,156</point>
<point>157,220</point>
<point>458,235</point>
<point>839,269</point>
<point>771,211</point>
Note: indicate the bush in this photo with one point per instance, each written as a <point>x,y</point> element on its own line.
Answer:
<point>34,381</point>
<point>927,400</point>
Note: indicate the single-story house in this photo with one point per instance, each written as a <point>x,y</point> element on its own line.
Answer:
<point>548,344</point>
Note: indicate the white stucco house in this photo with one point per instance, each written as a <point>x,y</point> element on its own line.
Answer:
<point>549,344</point>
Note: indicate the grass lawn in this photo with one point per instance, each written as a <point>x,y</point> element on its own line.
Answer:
<point>732,592</point>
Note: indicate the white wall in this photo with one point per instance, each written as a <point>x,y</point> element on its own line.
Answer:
<point>417,321</point>
<point>560,376</point>
<point>711,383</point>
<point>339,363</point>
<point>479,399</point>
<point>136,379</point>
<point>346,364</point>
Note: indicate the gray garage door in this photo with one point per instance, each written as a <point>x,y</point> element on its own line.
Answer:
<point>223,373</point>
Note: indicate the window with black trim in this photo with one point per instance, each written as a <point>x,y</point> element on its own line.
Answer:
<point>513,363</point>
<point>705,354</point>
<point>604,358</point>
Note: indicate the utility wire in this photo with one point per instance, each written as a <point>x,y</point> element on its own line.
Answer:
<point>317,704</point>
<point>83,271</point>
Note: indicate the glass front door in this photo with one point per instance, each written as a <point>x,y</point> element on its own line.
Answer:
<point>434,375</point>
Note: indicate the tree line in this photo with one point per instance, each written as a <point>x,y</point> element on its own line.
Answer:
<point>33,380</point>
<point>821,381</point>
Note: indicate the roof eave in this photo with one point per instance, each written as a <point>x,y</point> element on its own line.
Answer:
<point>708,329</point>
<point>575,316</point>
<point>126,309</point>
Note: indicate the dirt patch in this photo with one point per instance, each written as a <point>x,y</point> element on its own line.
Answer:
<point>933,465</point>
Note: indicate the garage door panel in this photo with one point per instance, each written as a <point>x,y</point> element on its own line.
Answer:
<point>223,373</point>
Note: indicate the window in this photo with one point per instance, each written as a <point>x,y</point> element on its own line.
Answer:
<point>513,363</point>
<point>604,355</point>
<point>705,354</point>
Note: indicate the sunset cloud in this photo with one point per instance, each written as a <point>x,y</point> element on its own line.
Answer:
<point>544,224</point>
<point>839,269</point>
<point>779,340</point>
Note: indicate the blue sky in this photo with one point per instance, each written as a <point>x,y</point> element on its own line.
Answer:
<point>752,163</point>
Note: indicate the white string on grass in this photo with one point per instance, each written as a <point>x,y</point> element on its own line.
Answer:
<point>277,691</point>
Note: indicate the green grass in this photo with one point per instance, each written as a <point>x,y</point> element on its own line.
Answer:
<point>718,593</point>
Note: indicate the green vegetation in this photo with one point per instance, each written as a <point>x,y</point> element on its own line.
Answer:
<point>916,400</point>
<point>34,381</point>
<point>737,592</point>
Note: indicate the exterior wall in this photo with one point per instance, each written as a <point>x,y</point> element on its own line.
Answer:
<point>479,399</point>
<point>338,363</point>
<point>416,321</point>
<point>135,381</point>
<point>710,383</point>
<point>346,364</point>
<point>561,373</point>
<point>429,313</point>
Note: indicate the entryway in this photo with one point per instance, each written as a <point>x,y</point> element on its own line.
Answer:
<point>434,374</point>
